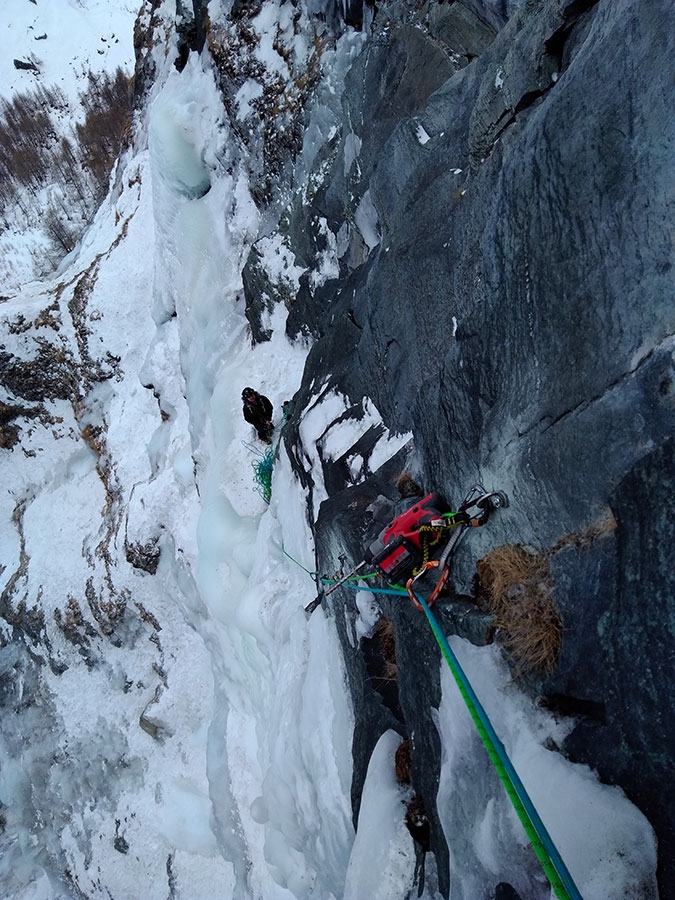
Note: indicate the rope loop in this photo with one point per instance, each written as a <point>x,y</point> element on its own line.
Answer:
<point>263,466</point>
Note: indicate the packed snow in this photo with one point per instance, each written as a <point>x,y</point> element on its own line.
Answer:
<point>210,752</point>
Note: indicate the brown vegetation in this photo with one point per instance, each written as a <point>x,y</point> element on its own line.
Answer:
<point>107,105</point>
<point>515,586</point>
<point>280,107</point>
<point>603,526</point>
<point>402,762</point>
<point>407,487</point>
<point>35,153</point>
<point>384,635</point>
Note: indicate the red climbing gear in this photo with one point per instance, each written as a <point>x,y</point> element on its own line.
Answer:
<point>401,553</point>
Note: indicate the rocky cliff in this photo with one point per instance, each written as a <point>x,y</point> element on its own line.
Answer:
<point>462,211</point>
<point>500,197</point>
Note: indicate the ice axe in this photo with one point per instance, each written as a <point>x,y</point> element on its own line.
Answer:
<point>309,609</point>
<point>345,577</point>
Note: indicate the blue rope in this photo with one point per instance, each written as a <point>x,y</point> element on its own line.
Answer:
<point>546,851</point>
<point>364,587</point>
<point>263,467</point>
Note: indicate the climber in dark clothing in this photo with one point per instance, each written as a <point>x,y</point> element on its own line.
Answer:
<point>258,412</point>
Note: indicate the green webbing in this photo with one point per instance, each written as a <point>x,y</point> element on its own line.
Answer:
<point>546,851</point>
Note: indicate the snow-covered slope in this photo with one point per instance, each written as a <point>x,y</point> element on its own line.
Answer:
<point>157,727</point>
<point>53,47</point>
<point>174,725</point>
<point>64,41</point>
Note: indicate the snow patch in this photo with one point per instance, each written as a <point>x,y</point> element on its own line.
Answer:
<point>606,843</point>
<point>367,220</point>
<point>278,262</point>
<point>422,135</point>
<point>247,93</point>
<point>383,858</point>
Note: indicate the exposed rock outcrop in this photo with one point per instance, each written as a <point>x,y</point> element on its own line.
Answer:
<point>514,312</point>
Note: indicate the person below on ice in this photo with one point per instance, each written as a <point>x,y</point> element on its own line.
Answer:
<point>258,412</point>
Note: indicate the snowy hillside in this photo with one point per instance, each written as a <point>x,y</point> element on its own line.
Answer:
<point>60,49</point>
<point>174,724</point>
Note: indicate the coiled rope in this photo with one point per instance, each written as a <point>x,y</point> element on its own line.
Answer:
<point>263,466</point>
<point>262,471</point>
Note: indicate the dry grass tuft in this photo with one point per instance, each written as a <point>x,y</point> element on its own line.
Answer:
<point>516,587</point>
<point>384,634</point>
<point>408,487</point>
<point>402,762</point>
<point>603,526</point>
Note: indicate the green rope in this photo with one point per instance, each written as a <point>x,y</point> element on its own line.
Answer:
<point>551,862</point>
<point>262,467</point>
<point>546,851</point>
<point>262,471</point>
<point>324,579</point>
<point>292,559</point>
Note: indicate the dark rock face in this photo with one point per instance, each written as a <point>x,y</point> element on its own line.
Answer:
<point>347,521</point>
<point>621,659</point>
<point>9,429</point>
<point>26,65</point>
<point>144,556</point>
<point>517,318</point>
<point>190,29</point>
<point>50,375</point>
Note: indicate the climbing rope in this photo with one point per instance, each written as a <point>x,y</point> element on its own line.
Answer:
<point>551,862</point>
<point>293,559</point>
<point>263,474</point>
<point>262,469</point>
<point>263,466</point>
<point>547,853</point>
<point>324,579</point>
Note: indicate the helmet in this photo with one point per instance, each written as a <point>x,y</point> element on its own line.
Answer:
<point>247,393</point>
